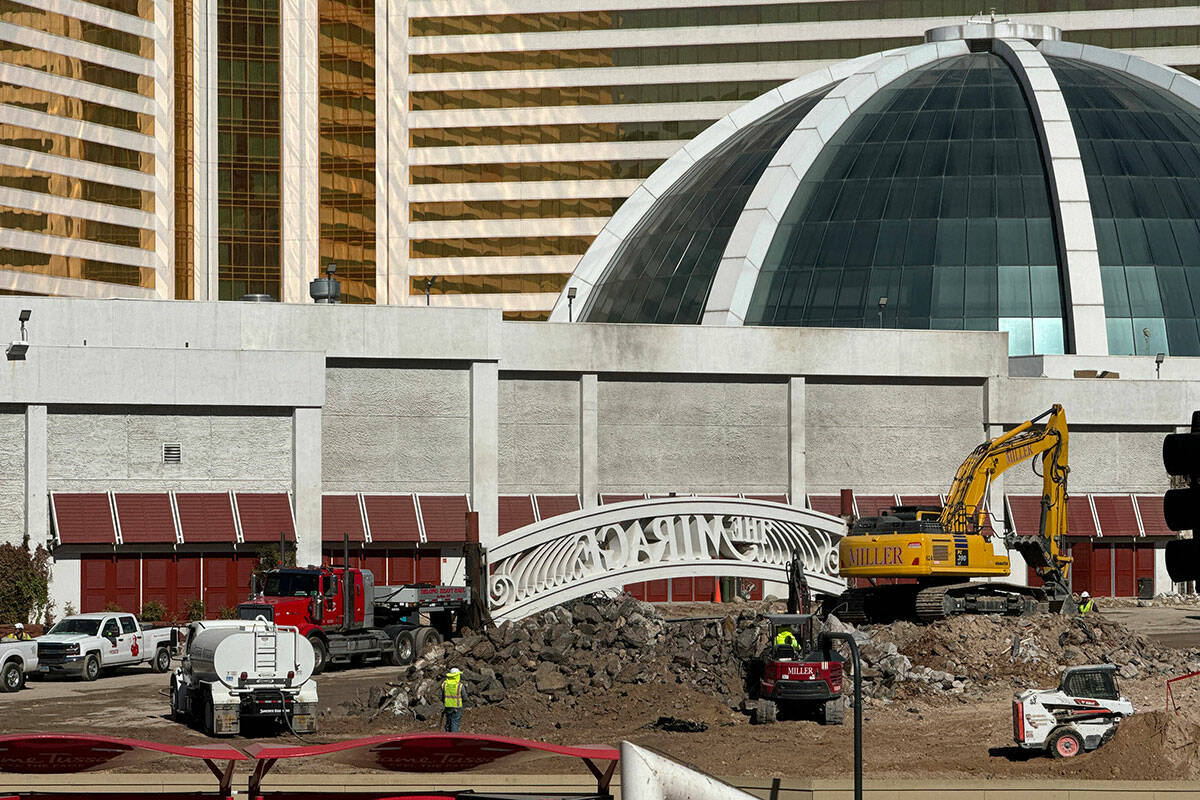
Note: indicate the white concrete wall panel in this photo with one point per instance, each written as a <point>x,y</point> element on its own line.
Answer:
<point>539,435</point>
<point>692,436</point>
<point>900,437</point>
<point>396,430</point>
<point>95,451</point>
<point>12,478</point>
<point>1109,461</point>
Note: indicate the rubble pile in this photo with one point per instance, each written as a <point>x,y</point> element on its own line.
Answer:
<point>585,650</point>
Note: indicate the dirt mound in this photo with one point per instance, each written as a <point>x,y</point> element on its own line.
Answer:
<point>1154,746</point>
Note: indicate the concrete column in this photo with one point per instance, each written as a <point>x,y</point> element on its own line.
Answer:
<point>485,442</point>
<point>796,442</point>
<point>299,148</point>
<point>37,499</point>
<point>164,149</point>
<point>589,440</point>
<point>391,142</point>
<point>204,149</point>
<point>306,483</point>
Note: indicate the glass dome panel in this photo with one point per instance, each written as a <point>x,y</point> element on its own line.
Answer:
<point>1141,155</point>
<point>933,194</point>
<point>664,269</point>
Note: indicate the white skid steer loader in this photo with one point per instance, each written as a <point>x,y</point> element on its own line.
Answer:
<point>1081,714</point>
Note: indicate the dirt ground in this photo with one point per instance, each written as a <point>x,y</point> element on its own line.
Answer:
<point>931,737</point>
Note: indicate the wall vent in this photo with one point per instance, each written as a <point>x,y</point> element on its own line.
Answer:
<point>172,453</point>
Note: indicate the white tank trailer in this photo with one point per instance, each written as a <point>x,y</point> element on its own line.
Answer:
<point>237,669</point>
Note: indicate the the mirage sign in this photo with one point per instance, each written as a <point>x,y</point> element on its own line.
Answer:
<point>575,554</point>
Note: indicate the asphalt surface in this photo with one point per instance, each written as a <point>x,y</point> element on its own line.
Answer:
<point>1174,626</point>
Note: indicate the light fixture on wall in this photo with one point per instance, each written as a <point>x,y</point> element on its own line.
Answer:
<point>1158,359</point>
<point>571,304</point>
<point>16,350</point>
<point>428,286</point>
<point>882,305</point>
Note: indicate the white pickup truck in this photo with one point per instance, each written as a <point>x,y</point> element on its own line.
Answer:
<point>16,659</point>
<point>85,644</point>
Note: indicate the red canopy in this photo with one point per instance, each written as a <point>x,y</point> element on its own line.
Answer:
<point>433,752</point>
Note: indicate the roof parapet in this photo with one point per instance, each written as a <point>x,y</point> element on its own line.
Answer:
<point>994,29</point>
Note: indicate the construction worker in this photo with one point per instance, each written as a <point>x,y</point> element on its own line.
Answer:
<point>19,635</point>
<point>1086,604</point>
<point>452,697</point>
<point>785,638</point>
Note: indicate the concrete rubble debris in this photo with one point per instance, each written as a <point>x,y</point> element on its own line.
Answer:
<point>585,649</point>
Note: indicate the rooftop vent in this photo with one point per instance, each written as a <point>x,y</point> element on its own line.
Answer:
<point>172,453</point>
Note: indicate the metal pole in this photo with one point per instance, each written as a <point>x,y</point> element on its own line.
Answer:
<point>826,639</point>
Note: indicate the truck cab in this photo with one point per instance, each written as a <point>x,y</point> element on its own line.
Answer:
<point>85,644</point>
<point>312,599</point>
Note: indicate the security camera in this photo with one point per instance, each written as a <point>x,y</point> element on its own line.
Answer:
<point>16,351</point>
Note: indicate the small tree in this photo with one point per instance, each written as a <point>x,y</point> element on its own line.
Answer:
<point>153,611</point>
<point>195,609</point>
<point>269,558</point>
<point>25,590</point>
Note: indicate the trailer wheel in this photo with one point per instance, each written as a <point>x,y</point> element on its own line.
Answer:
<point>320,654</point>
<point>12,677</point>
<point>91,667</point>
<point>425,639</point>
<point>1065,743</point>
<point>834,712</point>
<point>403,649</point>
<point>210,717</point>
<point>162,660</point>
<point>766,712</point>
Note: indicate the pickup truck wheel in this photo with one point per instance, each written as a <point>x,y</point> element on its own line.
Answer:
<point>12,677</point>
<point>403,649</point>
<point>320,654</point>
<point>162,660</point>
<point>91,668</point>
<point>1065,744</point>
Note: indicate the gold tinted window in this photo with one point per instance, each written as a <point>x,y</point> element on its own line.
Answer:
<point>500,246</point>
<point>75,228</point>
<point>76,68</point>
<point>72,28</point>
<point>58,145</point>
<point>81,268</point>
<point>136,8</point>
<point>490,284</point>
<point>534,171</point>
<point>515,209</point>
<point>553,134</point>
<point>62,186</point>
<point>590,95</point>
<point>74,108</point>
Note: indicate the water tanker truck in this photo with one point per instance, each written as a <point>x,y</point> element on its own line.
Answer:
<point>237,669</point>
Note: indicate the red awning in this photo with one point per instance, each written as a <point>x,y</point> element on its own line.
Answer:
<point>206,517</point>
<point>1150,507</point>
<point>83,518</point>
<point>826,503</point>
<point>1116,515</point>
<point>606,499</point>
<point>145,518</point>
<point>551,505</point>
<point>1026,511</point>
<point>340,515</point>
<point>265,516</point>
<point>444,517</point>
<point>515,511</point>
<point>920,500</point>
<point>871,505</point>
<point>1080,521</point>
<point>392,518</point>
<point>770,498</point>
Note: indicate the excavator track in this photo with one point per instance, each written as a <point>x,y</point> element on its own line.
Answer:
<point>930,604</point>
<point>925,603</point>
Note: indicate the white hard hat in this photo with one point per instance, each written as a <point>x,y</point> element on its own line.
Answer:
<point>454,671</point>
<point>1084,594</point>
<point>20,626</point>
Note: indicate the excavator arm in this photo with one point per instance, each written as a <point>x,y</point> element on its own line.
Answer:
<point>966,508</point>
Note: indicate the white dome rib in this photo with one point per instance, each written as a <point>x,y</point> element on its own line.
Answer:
<point>759,221</point>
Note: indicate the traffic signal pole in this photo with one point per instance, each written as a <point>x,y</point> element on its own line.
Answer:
<point>1181,507</point>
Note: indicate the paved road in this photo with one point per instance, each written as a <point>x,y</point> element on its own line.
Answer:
<point>1176,626</point>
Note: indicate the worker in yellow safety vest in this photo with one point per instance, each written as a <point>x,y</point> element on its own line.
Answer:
<point>785,638</point>
<point>452,697</point>
<point>1086,604</point>
<point>19,635</point>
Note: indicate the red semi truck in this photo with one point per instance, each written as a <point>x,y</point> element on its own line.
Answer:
<point>347,617</point>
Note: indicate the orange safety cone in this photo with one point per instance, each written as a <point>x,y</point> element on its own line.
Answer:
<point>716,590</point>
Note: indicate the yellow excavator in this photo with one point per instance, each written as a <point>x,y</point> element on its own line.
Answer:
<point>944,548</point>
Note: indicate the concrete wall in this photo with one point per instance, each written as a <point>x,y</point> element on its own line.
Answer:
<point>12,478</point>
<point>899,437</point>
<point>96,451</point>
<point>539,435</point>
<point>692,436</point>
<point>1118,461</point>
<point>396,429</point>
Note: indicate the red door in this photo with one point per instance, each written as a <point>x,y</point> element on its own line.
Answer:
<point>98,574</point>
<point>159,582</point>
<point>220,583</point>
<point>1124,570</point>
<point>1102,559</point>
<point>429,567</point>
<point>401,567</point>
<point>656,591</point>
<point>636,590</point>
<point>1081,567</point>
<point>1144,567</point>
<point>376,561</point>
<point>127,594</point>
<point>187,584</point>
<point>704,588</point>
<point>683,590</point>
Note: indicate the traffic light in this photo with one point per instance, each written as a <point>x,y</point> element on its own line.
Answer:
<point>1181,507</point>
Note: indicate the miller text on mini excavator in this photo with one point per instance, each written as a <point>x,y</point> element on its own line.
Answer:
<point>942,549</point>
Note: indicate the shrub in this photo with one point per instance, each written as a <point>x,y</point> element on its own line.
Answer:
<point>69,610</point>
<point>25,590</point>
<point>114,607</point>
<point>195,609</point>
<point>227,613</point>
<point>153,611</point>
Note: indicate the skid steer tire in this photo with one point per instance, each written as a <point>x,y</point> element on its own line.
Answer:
<point>833,712</point>
<point>766,713</point>
<point>1064,743</point>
